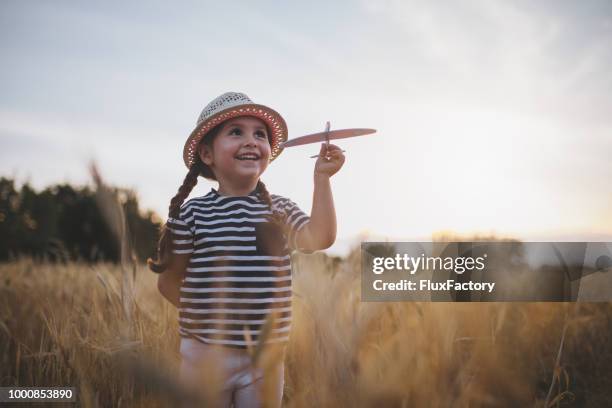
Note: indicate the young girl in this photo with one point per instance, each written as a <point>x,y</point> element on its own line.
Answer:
<point>224,258</point>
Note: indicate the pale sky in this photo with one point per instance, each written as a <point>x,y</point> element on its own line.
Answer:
<point>492,116</point>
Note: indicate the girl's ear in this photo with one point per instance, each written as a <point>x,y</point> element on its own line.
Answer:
<point>205,153</point>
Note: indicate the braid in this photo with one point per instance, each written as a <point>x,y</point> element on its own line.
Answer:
<point>277,217</point>
<point>191,179</point>
<point>164,248</point>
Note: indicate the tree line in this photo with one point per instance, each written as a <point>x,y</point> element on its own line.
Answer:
<point>63,222</point>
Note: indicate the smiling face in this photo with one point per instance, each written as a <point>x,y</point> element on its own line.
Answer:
<point>239,154</point>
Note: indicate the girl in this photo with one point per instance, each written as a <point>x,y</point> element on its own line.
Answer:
<point>224,258</point>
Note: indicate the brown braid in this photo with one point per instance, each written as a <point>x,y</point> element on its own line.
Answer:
<point>164,248</point>
<point>191,179</point>
<point>277,217</point>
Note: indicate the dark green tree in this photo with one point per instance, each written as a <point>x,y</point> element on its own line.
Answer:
<point>63,222</point>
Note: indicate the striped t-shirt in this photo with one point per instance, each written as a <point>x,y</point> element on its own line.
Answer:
<point>240,267</point>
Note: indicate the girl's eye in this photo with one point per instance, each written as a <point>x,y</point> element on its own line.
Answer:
<point>235,131</point>
<point>261,134</point>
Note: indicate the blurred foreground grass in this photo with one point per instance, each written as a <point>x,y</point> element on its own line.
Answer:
<point>72,325</point>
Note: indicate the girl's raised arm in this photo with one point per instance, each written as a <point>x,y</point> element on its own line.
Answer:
<point>320,231</point>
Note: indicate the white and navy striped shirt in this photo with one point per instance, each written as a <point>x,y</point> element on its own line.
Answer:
<point>240,267</point>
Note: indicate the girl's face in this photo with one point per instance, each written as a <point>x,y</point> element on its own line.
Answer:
<point>240,152</point>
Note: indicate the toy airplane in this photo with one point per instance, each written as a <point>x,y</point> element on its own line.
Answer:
<point>326,136</point>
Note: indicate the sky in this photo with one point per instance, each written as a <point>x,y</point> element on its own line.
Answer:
<point>492,117</point>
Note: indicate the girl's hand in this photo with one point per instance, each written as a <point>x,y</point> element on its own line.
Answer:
<point>330,160</point>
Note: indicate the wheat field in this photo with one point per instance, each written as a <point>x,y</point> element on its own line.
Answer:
<point>78,325</point>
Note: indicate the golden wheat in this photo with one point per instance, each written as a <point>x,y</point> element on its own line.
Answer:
<point>65,324</point>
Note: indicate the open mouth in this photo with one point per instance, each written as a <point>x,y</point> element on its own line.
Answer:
<point>248,156</point>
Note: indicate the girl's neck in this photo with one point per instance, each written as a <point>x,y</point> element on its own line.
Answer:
<point>236,191</point>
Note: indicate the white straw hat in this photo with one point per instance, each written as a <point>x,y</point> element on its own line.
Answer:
<point>230,105</point>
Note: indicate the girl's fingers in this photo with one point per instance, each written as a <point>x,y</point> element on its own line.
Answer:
<point>329,148</point>
<point>331,155</point>
<point>333,152</point>
<point>334,155</point>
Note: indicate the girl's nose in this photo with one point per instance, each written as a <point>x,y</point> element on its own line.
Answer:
<point>250,140</point>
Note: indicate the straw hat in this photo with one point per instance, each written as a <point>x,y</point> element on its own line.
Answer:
<point>230,105</point>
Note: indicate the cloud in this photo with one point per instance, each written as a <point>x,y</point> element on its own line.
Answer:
<point>550,59</point>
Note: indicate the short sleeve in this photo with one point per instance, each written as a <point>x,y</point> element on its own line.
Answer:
<point>182,232</point>
<point>296,220</point>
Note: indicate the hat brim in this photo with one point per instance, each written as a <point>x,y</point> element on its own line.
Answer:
<point>275,122</point>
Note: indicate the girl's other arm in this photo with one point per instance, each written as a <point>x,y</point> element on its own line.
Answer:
<point>320,231</point>
<point>169,281</point>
